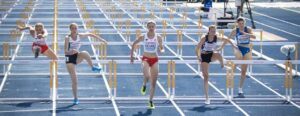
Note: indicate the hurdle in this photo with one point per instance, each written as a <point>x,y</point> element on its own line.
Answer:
<point>179,40</point>
<point>221,34</point>
<point>5,53</point>
<point>171,78</point>
<point>143,15</point>
<point>138,33</point>
<point>171,71</point>
<point>164,33</point>
<point>25,16</point>
<point>171,17</point>
<point>90,23</point>
<point>5,47</point>
<point>161,10</point>
<point>14,35</point>
<point>127,33</point>
<point>184,19</point>
<point>96,32</point>
<point>20,23</point>
<point>120,23</point>
<point>102,51</point>
<point>152,15</point>
<point>200,24</point>
<point>112,78</point>
<point>27,9</point>
<point>288,80</point>
<point>230,80</point>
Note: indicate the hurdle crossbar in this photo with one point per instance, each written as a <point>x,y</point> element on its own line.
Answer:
<point>255,43</point>
<point>160,61</point>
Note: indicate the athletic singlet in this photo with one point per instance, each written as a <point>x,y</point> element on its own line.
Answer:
<point>240,38</point>
<point>209,46</point>
<point>150,45</point>
<point>39,41</point>
<point>74,44</point>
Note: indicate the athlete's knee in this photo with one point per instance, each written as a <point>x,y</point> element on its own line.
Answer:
<point>54,57</point>
<point>84,53</point>
<point>205,74</point>
<point>147,76</point>
<point>155,75</point>
<point>153,83</point>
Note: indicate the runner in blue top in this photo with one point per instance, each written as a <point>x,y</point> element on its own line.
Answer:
<point>242,36</point>
<point>74,56</point>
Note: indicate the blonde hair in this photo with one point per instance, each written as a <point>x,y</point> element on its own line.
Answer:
<point>211,27</point>
<point>40,25</point>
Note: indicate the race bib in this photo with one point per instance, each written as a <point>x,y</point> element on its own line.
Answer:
<point>150,46</point>
<point>243,39</point>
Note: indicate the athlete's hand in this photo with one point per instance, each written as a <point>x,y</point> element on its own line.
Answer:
<point>19,27</point>
<point>74,51</point>
<point>244,33</point>
<point>105,42</point>
<point>235,46</point>
<point>219,49</point>
<point>131,60</point>
<point>39,36</point>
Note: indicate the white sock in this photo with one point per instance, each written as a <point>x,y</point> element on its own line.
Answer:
<point>207,101</point>
<point>240,90</point>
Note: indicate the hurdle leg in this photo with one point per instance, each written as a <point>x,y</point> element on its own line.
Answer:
<point>115,78</point>
<point>169,79</point>
<point>110,78</point>
<point>227,93</point>
<point>290,81</point>
<point>5,55</point>
<point>173,75</point>
<point>296,58</point>
<point>229,80</point>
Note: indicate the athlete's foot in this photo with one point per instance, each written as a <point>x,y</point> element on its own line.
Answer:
<point>76,101</point>
<point>143,90</point>
<point>222,66</point>
<point>207,101</point>
<point>96,69</point>
<point>241,91</point>
<point>151,105</point>
<point>36,52</point>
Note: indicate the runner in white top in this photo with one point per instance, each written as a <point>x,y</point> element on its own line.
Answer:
<point>208,53</point>
<point>152,41</point>
<point>74,56</point>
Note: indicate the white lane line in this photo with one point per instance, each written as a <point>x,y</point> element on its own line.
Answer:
<point>95,54</point>
<point>158,83</point>
<point>276,19</point>
<point>15,53</point>
<point>234,104</point>
<point>291,10</point>
<point>9,11</point>
<point>275,28</point>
